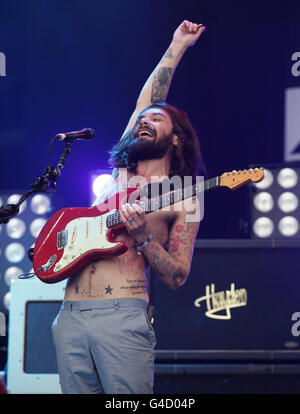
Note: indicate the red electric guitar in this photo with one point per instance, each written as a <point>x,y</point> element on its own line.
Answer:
<point>75,236</point>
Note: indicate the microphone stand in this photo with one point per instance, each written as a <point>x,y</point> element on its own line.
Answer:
<point>40,185</point>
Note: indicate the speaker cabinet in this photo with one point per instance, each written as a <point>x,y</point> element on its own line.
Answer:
<point>240,296</point>
<point>230,328</point>
<point>31,363</point>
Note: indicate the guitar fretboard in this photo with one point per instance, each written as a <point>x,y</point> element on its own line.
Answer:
<point>157,203</point>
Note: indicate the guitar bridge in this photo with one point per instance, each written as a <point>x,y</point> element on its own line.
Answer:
<point>62,239</point>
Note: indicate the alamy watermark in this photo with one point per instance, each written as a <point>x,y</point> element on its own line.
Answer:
<point>296,326</point>
<point>2,64</point>
<point>185,190</point>
<point>295,69</point>
<point>2,324</point>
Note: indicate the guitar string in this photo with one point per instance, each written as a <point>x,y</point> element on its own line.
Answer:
<point>166,200</point>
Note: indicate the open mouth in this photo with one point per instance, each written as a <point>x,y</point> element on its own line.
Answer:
<point>144,133</point>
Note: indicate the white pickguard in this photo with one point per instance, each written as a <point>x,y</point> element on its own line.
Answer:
<point>84,234</point>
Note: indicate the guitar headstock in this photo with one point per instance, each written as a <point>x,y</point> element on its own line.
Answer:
<point>236,179</point>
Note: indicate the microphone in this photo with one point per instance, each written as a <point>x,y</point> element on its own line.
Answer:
<point>85,134</point>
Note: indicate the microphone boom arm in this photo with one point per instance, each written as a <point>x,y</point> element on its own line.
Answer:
<point>40,185</point>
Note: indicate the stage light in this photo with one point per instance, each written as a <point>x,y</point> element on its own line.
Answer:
<point>263,227</point>
<point>288,202</point>
<point>15,228</point>
<point>6,300</point>
<point>100,183</point>
<point>277,203</point>
<point>40,204</point>
<point>288,226</point>
<point>15,252</point>
<point>36,226</point>
<point>14,199</point>
<point>16,237</point>
<point>267,181</point>
<point>287,178</point>
<point>12,274</point>
<point>263,202</point>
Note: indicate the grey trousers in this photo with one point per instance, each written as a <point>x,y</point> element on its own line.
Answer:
<point>105,346</point>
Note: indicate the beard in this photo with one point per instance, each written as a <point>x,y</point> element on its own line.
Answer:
<point>141,149</point>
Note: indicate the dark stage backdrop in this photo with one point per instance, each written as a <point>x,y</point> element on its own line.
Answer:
<point>73,64</point>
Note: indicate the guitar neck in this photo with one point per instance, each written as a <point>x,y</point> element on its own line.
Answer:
<point>157,203</point>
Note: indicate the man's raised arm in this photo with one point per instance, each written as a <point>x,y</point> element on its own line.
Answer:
<point>157,85</point>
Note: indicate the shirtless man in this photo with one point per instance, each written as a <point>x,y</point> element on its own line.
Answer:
<point>104,340</point>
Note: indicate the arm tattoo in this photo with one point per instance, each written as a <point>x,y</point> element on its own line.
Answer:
<point>161,83</point>
<point>166,267</point>
<point>183,236</point>
<point>177,278</point>
<point>168,54</point>
<point>175,243</point>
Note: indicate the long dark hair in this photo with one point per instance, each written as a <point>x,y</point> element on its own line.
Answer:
<point>186,157</point>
